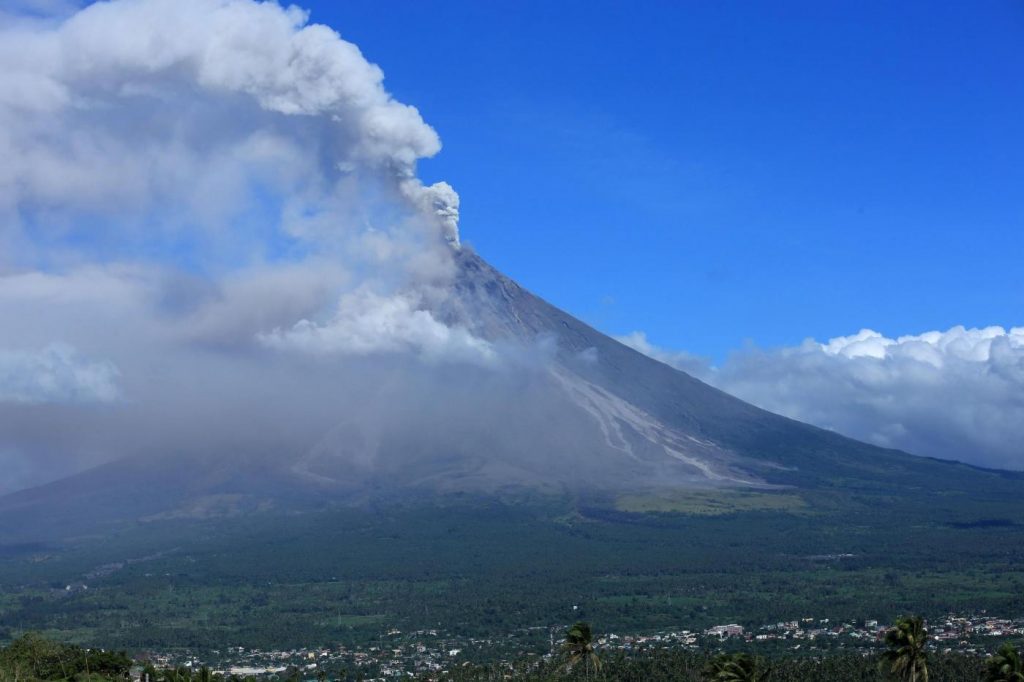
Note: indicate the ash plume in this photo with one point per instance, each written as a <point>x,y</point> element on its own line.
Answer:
<point>202,188</point>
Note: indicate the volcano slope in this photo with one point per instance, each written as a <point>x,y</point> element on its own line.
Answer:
<point>472,499</point>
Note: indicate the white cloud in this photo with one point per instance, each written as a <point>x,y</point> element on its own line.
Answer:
<point>366,323</point>
<point>55,374</point>
<point>687,362</point>
<point>957,394</point>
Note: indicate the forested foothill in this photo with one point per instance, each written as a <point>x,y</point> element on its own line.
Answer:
<point>479,568</point>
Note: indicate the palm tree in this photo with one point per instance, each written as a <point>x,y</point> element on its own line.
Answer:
<point>149,673</point>
<point>172,675</point>
<point>906,658</point>
<point>579,647</point>
<point>205,674</point>
<point>1005,666</point>
<point>735,668</point>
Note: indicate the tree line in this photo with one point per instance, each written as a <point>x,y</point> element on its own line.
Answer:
<point>906,658</point>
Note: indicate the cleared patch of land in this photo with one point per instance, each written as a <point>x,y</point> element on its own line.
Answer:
<point>710,502</point>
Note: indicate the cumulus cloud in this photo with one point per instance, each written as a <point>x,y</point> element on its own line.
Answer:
<point>55,374</point>
<point>366,323</point>
<point>957,394</point>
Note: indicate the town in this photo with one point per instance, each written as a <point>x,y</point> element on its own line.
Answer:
<point>425,652</point>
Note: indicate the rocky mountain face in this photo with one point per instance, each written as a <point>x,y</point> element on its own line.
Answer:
<point>569,409</point>
<point>640,405</point>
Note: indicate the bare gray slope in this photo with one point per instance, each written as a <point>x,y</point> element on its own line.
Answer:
<point>762,445</point>
<point>570,420</point>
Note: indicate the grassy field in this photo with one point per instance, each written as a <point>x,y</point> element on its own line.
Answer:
<point>710,502</point>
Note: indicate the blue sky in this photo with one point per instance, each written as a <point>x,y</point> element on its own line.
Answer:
<point>719,172</point>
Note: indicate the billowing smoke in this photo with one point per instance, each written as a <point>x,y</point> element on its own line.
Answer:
<point>133,108</point>
<point>204,203</point>
<point>957,394</point>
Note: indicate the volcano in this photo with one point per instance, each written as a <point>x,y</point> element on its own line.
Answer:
<point>582,414</point>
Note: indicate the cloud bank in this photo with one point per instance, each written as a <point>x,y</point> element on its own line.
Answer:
<point>957,394</point>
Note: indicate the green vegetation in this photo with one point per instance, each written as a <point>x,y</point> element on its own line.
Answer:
<point>906,658</point>
<point>579,648</point>
<point>737,667</point>
<point>32,657</point>
<point>1005,666</point>
<point>476,567</point>
<point>709,502</point>
<point>688,666</point>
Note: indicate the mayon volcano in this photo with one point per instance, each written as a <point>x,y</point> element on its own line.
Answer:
<point>279,314</point>
<point>625,421</point>
<point>567,409</point>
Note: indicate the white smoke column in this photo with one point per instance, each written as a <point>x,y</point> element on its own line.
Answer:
<point>439,201</point>
<point>142,102</point>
